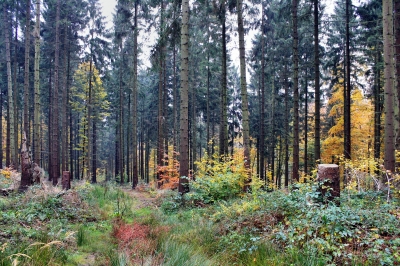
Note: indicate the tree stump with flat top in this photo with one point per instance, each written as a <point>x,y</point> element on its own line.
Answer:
<point>329,177</point>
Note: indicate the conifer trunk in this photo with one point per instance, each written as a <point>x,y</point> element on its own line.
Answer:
<point>243,92</point>
<point>135,178</point>
<point>295,170</point>
<point>184,111</point>
<point>317,120</point>
<point>26,72</point>
<point>10,128</point>
<point>36,118</point>
<point>262,109</point>
<point>347,98</point>
<point>55,167</point>
<point>389,138</point>
<point>223,135</point>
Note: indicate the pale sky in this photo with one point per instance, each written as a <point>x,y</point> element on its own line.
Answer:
<point>108,10</point>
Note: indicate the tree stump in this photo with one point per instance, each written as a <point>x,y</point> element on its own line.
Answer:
<point>66,180</point>
<point>26,175</point>
<point>329,176</point>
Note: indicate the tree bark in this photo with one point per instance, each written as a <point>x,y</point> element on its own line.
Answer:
<point>10,128</point>
<point>317,120</point>
<point>347,98</point>
<point>243,93</point>
<point>26,72</point>
<point>55,164</point>
<point>223,135</point>
<point>184,110</point>
<point>295,170</point>
<point>397,63</point>
<point>36,118</point>
<point>135,178</point>
<point>389,138</point>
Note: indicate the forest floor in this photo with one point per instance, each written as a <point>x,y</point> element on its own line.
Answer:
<point>109,224</point>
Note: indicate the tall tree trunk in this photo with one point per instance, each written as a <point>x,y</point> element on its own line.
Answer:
<point>121,121</point>
<point>286,85</point>
<point>389,157</point>
<point>317,115</point>
<point>347,98</point>
<point>64,113</point>
<point>26,72</point>
<point>135,178</point>
<point>397,63</point>
<point>36,119</point>
<point>10,127</point>
<point>15,96</point>
<point>306,122</point>
<point>262,109</point>
<point>194,135</point>
<point>377,106</point>
<point>175,91</point>
<point>272,134</point>
<point>50,123</point>
<point>184,110</point>
<point>295,170</point>
<point>223,135</point>
<point>160,137</point>
<point>94,152</point>
<point>55,167</point>
<point>243,93</point>
<point>89,116</point>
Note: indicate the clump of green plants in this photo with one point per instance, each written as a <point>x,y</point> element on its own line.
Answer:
<point>219,178</point>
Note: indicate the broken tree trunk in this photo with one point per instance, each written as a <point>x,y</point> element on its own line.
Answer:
<point>329,177</point>
<point>26,175</point>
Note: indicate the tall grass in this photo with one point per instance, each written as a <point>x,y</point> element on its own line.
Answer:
<point>176,253</point>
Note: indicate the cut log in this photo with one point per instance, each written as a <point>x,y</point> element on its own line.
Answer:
<point>329,177</point>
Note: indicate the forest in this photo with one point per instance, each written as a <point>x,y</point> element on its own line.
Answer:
<point>194,132</point>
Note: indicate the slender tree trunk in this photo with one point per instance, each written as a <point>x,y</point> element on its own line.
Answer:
<point>317,115</point>
<point>389,158</point>
<point>295,170</point>
<point>15,96</point>
<point>397,63</point>
<point>347,99</point>
<point>243,89</point>
<point>135,178</point>
<point>184,116</point>
<point>121,120</point>
<point>55,167</point>
<point>175,91</point>
<point>94,152</point>
<point>306,122</point>
<point>262,109</point>
<point>50,124</point>
<point>377,107</point>
<point>64,113</point>
<point>223,135</point>
<point>36,119</point>
<point>272,123</point>
<point>26,70</point>
<point>89,155</point>
<point>286,85</point>
<point>10,128</point>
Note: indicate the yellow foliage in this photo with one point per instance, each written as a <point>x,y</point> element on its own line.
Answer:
<point>361,125</point>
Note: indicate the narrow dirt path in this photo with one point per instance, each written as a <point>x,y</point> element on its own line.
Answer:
<point>143,198</point>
